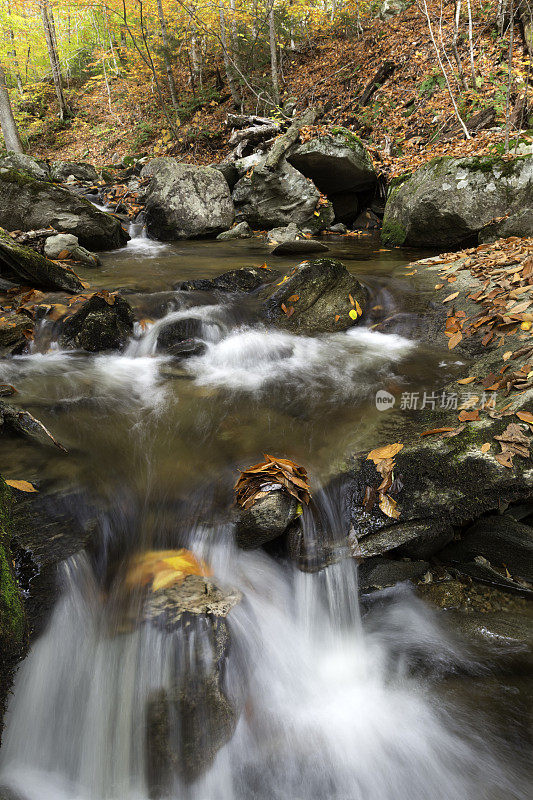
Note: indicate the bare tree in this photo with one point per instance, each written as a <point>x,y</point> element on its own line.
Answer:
<point>7,120</point>
<point>51,44</point>
<point>471,45</point>
<point>510,81</point>
<point>228,62</point>
<point>166,55</point>
<point>273,52</point>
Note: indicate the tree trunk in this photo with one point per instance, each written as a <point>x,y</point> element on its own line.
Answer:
<point>273,53</point>
<point>166,56</point>
<point>54,61</point>
<point>232,83</point>
<point>7,121</point>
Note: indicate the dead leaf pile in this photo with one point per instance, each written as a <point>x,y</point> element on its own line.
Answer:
<point>159,569</point>
<point>119,199</point>
<point>513,442</point>
<point>383,458</point>
<point>273,474</point>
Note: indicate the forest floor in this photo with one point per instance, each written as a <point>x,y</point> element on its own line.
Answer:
<point>408,120</point>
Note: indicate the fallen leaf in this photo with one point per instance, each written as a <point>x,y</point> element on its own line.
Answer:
<point>436,430</point>
<point>466,381</point>
<point>450,297</point>
<point>485,447</point>
<point>389,451</point>
<point>352,313</point>
<point>389,506</point>
<point>454,340</point>
<point>468,416</point>
<point>22,486</point>
<point>525,416</point>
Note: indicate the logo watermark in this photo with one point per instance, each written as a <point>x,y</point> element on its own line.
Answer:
<point>448,401</point>
<point>384,400</point>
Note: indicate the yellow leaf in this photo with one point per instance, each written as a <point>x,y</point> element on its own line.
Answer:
<point>352,313</point>
<point>389,451</point>
<point>389,506</point>
<point>22,486</point>
<point>525,326</point>
<point>507,355</point>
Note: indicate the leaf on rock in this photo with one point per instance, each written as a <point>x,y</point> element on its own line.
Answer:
<point>466,381</point>
<point>22,486</point>
<point>389,506</point>
<point>525,416</point>
<point>273,474</point>
<point>450,297</point>
<point>454,340</point>
<point>163,568</point>
<point>389,451</point>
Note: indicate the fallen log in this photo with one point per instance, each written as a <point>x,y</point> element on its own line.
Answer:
<point>245,121</point>
<point>16,420</point>
<point>287,139</point>
<point>386,69</point>
<point>254,134</point>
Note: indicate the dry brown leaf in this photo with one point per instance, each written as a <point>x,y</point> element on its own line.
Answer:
<point>454,340</point>
<point>468,416</point>
<point>525,416</point>
<point>389,506</point>
<point>436,430</point>
<point>466,381</point>
<point>485,447</point>
<point>450,297</point>
<point>389,451</point>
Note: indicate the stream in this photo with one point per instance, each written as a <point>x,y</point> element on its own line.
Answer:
<point>343,697</point>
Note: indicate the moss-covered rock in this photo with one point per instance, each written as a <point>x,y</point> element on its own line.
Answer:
<point>23,265</point>
<point>447,202</point>
<point>12,616</point>
<point>104,322</point>
<point>25,163</point>
<point>27,204</point>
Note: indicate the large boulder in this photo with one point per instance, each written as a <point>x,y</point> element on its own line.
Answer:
<point>60,171</point>
<point>103,322</point>
<point>335,162</point>
<point>26,204</point>
<point>186,201</point>
<point>391,8</point>
<point>22,265</point>
<point>270,199</point>
<point>448,201</point>
<point>316,297</point>
<point>190,718</point>
<point>24,163</point>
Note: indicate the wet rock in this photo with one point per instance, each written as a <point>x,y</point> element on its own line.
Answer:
<point>27,164</point>
<point>266,520</point>
<point>448,201</point>
<point>240,231</point>
<point>270,199</point>
<point>61,171</point>
<point>501,540</point>
<point>503,638</point>
<point>98,325</point>
<point>243,280</point>
<point>335,162</point>
<point>339,228</point>
<point>417,539</point>
<point>192,718</point>
<point>12,614</point>
<point>321,291</point>
<point>186,201</point>
<point>378,573</point>
<point>299,247</point>
<point>367,221</point>
<point>54,246</point>
<point>290,233</point>
<point>19,421</point>
<point>24,266</point>
<point>14,329</point>
<point>26,204</point>
<point>181,338</point>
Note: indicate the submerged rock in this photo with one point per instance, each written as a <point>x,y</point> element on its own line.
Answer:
<point>191,719</point>
<point>316,297</point>
<point>102,323</point>
<point>448,201</point>
<point>268,199</point>
<point>23,265</point>
<point>245,279</point>
<point>290,233</point>
<point>299,247</point>
<point>186,201</point>
<point>26,204</point>
<point>14,330</point>
<point>503,638</point>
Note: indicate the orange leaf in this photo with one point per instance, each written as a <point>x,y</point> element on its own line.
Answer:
<point>389,451</point>
<point>22,486</point>
<point>450,297</point>
<point>525,416</point>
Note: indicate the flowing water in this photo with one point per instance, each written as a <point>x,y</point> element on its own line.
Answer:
<point>337,700</point>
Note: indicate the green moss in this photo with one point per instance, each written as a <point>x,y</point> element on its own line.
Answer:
<point>393,233</point>
<point>485,164</point>
<point>14,176</point>
<point>12,619</point>
<point>352,141</point>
